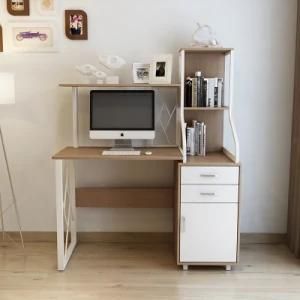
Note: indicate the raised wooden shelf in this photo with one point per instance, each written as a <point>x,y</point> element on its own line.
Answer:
<point>125,197</point>
<point>206,108</point>
<point>130,85</point>
<point>158,153</point>
<point>207,49</point>
<point>211,159</point>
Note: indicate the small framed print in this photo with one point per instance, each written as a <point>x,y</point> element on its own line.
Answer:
<point>76,24</point>
<point>1,39</point>
<point>161,69</point>
<point>141,73</point>
<point>18,7</point>
<point>32,37</point>
<point>47,7</point>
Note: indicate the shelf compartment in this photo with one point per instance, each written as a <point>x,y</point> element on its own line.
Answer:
<point>211,159</point>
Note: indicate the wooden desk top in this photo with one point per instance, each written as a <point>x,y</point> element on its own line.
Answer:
<point>160,153</point>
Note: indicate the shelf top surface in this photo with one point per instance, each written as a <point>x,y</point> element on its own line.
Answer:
<point>158,153</point>
<point>130,85</point>
<point>211,159</point>
<point>207,108</point>
<point>207,49</point>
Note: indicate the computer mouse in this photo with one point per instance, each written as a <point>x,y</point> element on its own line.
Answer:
<point>148,153</point>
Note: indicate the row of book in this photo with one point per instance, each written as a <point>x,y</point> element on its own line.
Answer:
<point>196,139</point>
<point>204,92</point>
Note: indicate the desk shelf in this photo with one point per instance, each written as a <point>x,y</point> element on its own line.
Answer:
<point>128,85</point>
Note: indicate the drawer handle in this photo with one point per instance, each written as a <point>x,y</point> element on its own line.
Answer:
<point>182,224</point>
<point>208,175</point>
<point>208,194</point>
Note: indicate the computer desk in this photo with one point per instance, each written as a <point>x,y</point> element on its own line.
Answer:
<point>68,197</point>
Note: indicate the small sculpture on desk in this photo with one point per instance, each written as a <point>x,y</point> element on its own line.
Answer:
<point>204,37</point>
<point>112,63</point>
<point>91,74</point>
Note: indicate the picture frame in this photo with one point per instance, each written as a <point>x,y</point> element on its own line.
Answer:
<point>141,73</point>
<point>1,39</point>
<point>76,24</point>
<point>47,7</point>
<point>161,69</point>
<point>32,37</point>
<point>18,7</point>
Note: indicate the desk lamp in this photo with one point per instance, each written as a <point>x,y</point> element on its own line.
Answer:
<point>7,96</point>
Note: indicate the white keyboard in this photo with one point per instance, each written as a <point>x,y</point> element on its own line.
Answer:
<point>120,153</point>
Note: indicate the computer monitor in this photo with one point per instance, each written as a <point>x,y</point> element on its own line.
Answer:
<point>122,114</point>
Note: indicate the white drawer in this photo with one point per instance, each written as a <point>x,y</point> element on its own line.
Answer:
<point>209,193</point>
<point>209,175</point>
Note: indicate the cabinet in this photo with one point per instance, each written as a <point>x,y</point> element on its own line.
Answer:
<point>208,189</point>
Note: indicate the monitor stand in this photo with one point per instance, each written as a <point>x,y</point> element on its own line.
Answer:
<point>122,145</point>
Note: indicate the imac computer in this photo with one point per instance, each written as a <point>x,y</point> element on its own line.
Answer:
<point>123,116</point>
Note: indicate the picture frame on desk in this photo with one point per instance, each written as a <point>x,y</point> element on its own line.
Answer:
<point>32,37</point>
<point>161,69</point>
<point>141,73</point>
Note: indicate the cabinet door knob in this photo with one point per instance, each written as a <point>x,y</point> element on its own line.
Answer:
<point>182,224</point>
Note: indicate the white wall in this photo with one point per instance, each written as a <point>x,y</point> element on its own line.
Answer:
<point>263,34</point>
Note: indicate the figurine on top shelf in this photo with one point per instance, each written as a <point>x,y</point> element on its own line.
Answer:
<point>204,36</point>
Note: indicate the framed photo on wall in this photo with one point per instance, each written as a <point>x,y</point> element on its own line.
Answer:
<point>161,69</point>
<point>141,73</point>
<point>76,24</point>
<point>47,7</point>
<point>1,39</point>
<point>32,37</point>
<point>18,7</point>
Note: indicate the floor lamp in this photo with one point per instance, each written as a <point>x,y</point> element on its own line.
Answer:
<point>7,96</point>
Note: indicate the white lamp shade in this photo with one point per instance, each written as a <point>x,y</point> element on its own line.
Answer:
<point>7,88</point>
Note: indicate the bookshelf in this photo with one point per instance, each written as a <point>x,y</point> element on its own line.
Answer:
<point>212,62</point>
<point>208,205</point>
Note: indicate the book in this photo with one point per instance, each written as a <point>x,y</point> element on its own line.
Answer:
<point>199,88</point>
<point>196,139</point>
<point>194,92</point>
<point>188,92</point>
<point>220,92</point>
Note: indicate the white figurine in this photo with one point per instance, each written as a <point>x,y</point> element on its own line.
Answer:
<point>91,74</point>
<point>112,62</point>
<point>204,37</point>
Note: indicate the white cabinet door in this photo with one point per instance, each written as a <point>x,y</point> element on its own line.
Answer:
<point>208,232</point>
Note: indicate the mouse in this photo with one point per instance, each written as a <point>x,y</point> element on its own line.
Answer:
<point>148,153</point>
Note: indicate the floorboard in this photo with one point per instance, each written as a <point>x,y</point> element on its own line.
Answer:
<point>141,271</point>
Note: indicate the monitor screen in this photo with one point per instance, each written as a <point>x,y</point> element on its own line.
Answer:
<point>122,110</point>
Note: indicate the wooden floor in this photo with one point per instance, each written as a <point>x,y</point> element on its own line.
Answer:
<point>138,271</point>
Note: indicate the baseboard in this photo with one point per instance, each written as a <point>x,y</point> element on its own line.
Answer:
<point>143,237</point>
<point>263,238</point>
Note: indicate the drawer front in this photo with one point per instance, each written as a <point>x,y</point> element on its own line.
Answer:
<point>208,232</point>
<point>209,175</point>
<point>209,193</point>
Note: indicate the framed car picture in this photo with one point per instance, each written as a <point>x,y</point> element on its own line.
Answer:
<point>140,72</point>
<point>18,7</point>
<point>76,24</point>
<point>32,37</point>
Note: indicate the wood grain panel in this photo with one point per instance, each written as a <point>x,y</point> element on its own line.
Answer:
<point>125,197</point>
<point>294,193</point>
<point>158,153</point>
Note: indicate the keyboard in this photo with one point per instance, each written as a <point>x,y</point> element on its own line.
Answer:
<point>120,153</point>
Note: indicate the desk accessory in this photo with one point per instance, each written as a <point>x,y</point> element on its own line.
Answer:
<point>7,96</point>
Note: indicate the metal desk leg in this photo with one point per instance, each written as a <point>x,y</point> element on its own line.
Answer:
<point>65,212</point>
